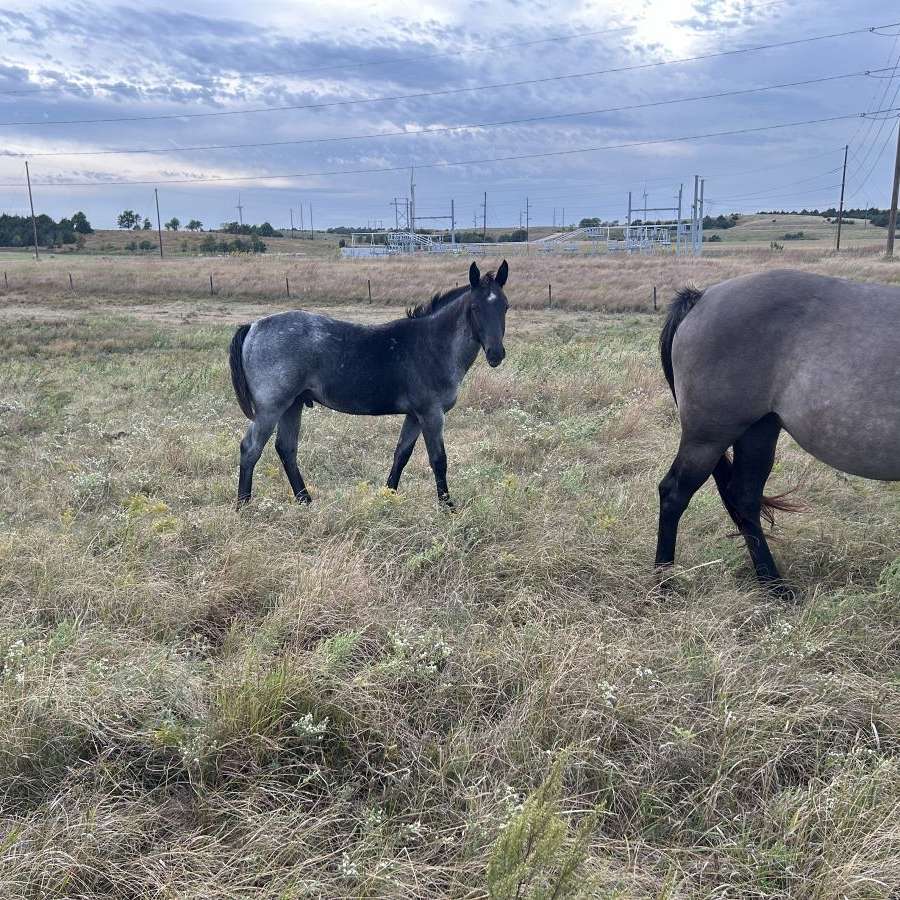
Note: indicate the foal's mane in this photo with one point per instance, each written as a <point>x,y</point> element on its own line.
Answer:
<point>440,300</point>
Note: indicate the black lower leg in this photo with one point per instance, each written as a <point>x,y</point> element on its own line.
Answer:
<point>286,445</point>
<point>693,465</point>
<point>754,455</point>
<point>407,441</point>
<point>252,445</point>
<point>433,430</point>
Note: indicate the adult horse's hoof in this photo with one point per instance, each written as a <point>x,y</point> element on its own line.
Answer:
<point>303,498</point>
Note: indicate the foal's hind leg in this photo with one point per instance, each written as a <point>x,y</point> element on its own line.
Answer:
<point>692,467</point>
<point>286,445</point>
<point>409,434</point>
<point>754,455</point>
<point>252,445</point>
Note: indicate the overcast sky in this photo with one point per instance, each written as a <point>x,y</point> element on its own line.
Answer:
<point>95,60</point>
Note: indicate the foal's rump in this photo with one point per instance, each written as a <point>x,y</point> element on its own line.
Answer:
<point>821,353</point>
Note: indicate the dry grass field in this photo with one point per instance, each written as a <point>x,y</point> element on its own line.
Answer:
<point>370,697</point>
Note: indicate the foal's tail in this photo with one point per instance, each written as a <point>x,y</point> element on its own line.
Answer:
<point>685,300</point>
<point>238,376</point>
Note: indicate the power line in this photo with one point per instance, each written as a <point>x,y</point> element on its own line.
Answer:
<point>451,91</point>
<point>470,162</point>
<point>451,128</point>
<point>401,60</point>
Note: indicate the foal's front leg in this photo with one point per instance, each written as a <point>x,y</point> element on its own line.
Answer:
<point>432,424</point>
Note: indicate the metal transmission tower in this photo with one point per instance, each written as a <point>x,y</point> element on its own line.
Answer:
<point>240,210</point>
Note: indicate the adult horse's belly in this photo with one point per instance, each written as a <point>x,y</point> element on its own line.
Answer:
<point>854,427</point>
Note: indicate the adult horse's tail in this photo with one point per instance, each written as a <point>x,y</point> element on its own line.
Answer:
<point>685,300</point>
<point>238,376</point>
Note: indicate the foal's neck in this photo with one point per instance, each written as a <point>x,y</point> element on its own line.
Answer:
<point>453,336</point>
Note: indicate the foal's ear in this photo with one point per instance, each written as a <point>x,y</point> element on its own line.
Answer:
<point>474,276</point>
<point>502,273</point>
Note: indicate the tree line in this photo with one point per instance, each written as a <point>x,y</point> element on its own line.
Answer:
<point>875,215</point>
<point>17,231</point>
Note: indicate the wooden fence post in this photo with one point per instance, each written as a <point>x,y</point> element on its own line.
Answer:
<point>369,285</point>
<point>71,286</point>
<point>287,286</point>
<point>549,296</point>
<point>211,288</point>
<point>654,296</point>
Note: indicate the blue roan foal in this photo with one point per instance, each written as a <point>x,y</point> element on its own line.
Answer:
<point>412,366</point>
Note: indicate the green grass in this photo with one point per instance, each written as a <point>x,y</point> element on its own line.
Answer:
<point>371,698</point>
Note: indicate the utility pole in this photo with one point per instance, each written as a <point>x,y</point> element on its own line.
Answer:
<point>158,221</point>
<point>292,224</point>
<point>892,220</point>
<point>694,228</point>
<point>31,203</point>
<point>452,221</point>
<point>678,236</point>
<point>563,218</point>
<point>841,208</point>
<point>700,217</point>
<point>554,218</point>
<point>240,210</point>
<point>396,215</point>
<point>527,224</point>
<point>301,217</point>
<point>484,219</point>
<point>412,200</point>
<point>312,231</point>
<point>629,210</point>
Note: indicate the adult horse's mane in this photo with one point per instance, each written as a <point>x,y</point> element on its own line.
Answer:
<point>439,300</point>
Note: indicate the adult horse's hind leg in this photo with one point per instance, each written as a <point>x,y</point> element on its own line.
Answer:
<point>286,445</point>
<point>692,467</point>
<point>409,434</point>
<point>742,494</point>
<point>252,445</point>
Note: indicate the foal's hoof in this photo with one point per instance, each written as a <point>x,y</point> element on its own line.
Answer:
<point>781,590</point>
<point>303,498</point>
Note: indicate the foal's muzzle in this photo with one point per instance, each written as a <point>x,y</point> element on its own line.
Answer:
<point>495,357</point>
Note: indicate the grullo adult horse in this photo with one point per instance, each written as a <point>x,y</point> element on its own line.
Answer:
<point>412,366</point>
<point>816,356</point>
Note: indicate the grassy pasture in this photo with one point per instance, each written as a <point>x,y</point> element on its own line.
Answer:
<point>371,698</point>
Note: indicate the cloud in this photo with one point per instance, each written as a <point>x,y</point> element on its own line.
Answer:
<point>100,60</point>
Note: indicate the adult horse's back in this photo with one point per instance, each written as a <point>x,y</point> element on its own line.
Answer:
<point>816,356</point>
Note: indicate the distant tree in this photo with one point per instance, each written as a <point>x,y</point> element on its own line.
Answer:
<point>589,223</point>
<point>146,226</point>
<point>81,224</point>
<point>194,225</point>
<point>520,234</point>
<point>145,245</point>
<point>128,219</point>
<point>173,224</point>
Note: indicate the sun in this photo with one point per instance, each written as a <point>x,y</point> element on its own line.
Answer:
<point>665,23</point>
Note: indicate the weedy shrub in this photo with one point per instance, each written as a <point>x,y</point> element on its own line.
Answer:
<point>537,855</point>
